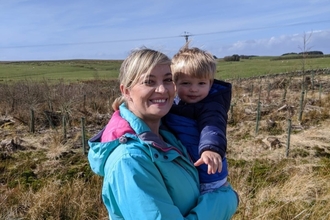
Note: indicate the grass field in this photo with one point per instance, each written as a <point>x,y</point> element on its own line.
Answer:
<point>73,70</point>
<point>45,174</point>
<point>257,66</point>
<point>70,70</point>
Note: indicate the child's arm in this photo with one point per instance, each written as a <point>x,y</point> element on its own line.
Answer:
<point>212,118</point>
<point>212,124</point>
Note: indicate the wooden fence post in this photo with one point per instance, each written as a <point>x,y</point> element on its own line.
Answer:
<point>231,113</point>
<point>252,87</point>
<point>288,141</point>
<point>320,94</point>
<point>268,90</point>
<point>32,121</point>
<point>258,113</point>
<point>301,104</point>
<point>313,75</point>
<point>284,93</point>
<point>83,138</point>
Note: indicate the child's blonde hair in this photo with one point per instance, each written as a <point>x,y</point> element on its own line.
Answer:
<point>193,62</point>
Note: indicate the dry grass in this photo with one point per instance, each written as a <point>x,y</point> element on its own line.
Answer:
<point>72,200</point>
<point>49,182</point>
<point>45,175</point>
<point>272,185</point>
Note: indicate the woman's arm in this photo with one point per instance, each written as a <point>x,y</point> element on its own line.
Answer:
<point>134,188</point>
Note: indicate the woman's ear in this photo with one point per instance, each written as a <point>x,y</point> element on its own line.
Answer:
<point>125,92</point>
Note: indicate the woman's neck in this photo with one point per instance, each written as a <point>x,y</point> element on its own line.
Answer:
<point>152,122</point>
<point>154,126</point>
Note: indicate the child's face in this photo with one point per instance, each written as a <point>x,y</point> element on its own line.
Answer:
<point>192,89</point>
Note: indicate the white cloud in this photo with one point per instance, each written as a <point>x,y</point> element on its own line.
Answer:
<point>277,45</point>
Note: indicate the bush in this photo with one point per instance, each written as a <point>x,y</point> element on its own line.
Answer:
<point>234,57</point>
<point>312,52</point>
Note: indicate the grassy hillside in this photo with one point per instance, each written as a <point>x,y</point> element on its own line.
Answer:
<point>70,70</point>
<point>73,70</point>
<point>257,66</point>
<point>44,173</point>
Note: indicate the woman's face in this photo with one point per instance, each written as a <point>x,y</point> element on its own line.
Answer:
<point>152,97</point>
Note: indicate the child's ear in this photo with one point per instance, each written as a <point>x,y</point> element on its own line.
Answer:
<point>211,83</point>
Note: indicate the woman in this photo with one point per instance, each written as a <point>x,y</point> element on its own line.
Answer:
<point>147,172</point>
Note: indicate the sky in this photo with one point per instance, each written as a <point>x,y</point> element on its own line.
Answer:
<point>110,29</point>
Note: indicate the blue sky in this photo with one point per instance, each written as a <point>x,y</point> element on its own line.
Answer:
<point>108,29</point>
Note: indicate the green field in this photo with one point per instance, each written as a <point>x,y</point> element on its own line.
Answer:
<point>257,66</point>
<point>69,70</point>
<point>73,70</point>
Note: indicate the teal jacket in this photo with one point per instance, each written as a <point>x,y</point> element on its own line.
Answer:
<point>147,178</point>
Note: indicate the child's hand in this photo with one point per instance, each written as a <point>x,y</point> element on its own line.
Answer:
<point>212,159</point>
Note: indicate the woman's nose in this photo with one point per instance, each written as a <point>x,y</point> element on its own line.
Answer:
<point>160,88</point>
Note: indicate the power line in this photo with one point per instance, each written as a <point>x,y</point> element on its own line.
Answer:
<point>263,28</point>
<point>86,43</point>
<point>186,35</point>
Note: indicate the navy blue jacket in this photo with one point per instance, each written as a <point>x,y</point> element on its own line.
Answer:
<point>202,126</point>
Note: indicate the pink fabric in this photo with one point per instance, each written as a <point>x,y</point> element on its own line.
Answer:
<point>116,127</point>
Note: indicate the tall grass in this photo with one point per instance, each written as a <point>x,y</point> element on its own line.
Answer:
<point>44,176</point>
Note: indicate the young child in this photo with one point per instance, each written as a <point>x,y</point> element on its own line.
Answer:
<point>199,115</point>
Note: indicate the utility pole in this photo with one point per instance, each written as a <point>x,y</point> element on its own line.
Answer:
<point>186,35</point>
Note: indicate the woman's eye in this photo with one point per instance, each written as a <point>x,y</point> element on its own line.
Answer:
<point>169,80</point>
<point>147,82</point>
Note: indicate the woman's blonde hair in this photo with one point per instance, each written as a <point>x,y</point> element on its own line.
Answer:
<point>193,62</point>
<point>139,61</point>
